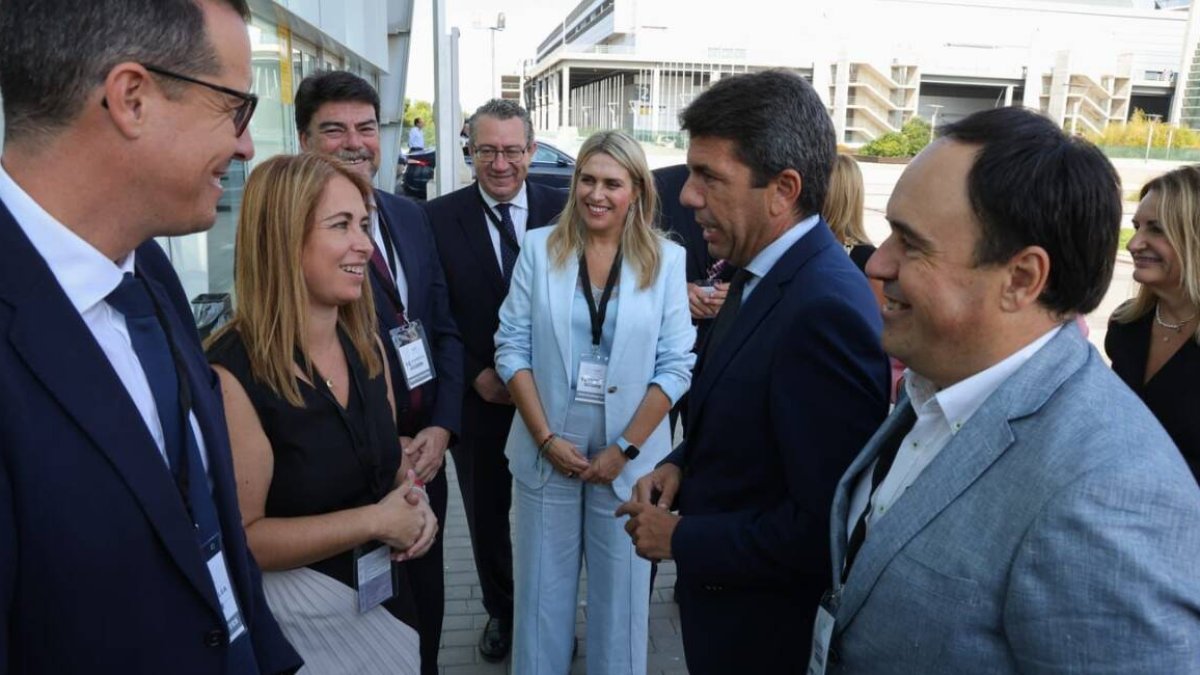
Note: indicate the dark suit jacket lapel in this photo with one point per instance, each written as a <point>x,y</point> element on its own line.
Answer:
<point>405,252</point>
<point>475,227</point>
<point>757,307</point>
<point>61,352</point>
<point>985,437</point>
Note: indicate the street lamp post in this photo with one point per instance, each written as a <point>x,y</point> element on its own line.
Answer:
<point>1150,133</point>
<point>499,26</point>
<point>933,120</point>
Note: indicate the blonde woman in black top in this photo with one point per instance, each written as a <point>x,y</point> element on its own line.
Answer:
<point>329,509</point>
<point>1154,339</point>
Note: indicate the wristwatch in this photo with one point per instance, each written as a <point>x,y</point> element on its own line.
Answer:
<point>628,449</point>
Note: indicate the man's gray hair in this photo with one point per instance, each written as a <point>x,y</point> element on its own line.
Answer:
<point>502,109</point>
<point>54,53</point>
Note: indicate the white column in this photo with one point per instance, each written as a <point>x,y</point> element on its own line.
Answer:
<point>564,116</point>
<point>445,101</point>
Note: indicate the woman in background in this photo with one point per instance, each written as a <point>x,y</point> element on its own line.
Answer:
<point>1154,339</point>
<point>325,502</point>
<point>595,345</point>
<point>844,210</point>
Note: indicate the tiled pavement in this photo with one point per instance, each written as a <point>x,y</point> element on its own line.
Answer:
<point>465,615</point>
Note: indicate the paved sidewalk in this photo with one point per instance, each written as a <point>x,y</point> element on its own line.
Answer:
<point>465,615</point>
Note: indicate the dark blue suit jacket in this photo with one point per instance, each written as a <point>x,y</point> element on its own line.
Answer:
<point>99,568</point>
<point>681,221</point>
<point>787,401</point>
<point>428,302</point>
<point>476,282</point>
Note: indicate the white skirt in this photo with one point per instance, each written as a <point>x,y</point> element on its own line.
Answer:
<point>319,615</point>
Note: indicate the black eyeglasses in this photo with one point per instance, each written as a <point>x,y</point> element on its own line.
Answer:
<point>244,111</point>
<point>487,154</point>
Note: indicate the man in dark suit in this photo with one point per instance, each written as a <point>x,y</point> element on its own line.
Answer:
<point>337,113</point>
<point>121,544</point>
<point>479,229</point>
<point>791,383</point>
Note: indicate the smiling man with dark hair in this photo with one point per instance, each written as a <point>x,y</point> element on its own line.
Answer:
<point>121,543</point>
<point>1020,510</point>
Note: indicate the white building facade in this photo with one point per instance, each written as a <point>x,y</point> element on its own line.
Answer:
<point>635,64</point>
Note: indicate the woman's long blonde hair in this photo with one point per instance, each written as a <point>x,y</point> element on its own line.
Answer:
<point>271,307</point>
<point>844,200</point>
<point>640,239</point>
<point>1179,217</point>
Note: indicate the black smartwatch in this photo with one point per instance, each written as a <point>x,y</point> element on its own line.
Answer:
<point>628,449</point>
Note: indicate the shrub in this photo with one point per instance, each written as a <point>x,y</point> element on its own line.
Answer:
<point>1134,132</point>
<point>911,138</point>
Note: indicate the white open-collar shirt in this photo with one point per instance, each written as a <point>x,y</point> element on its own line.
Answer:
<point>87,277</point>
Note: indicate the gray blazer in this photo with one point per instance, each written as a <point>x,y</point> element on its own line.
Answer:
<point>1057,532</point>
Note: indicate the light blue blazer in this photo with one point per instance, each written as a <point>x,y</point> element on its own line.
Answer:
<point>1057,532</point>
<point>652,344</point>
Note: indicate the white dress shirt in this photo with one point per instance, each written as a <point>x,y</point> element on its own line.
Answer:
<point>393,261</point>
<point>940,415</point>
<point>87,277</point>
<point>520,217</point>
<point>416,139</point>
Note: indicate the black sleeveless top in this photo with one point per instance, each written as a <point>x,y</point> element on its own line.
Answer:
<point>327,458</point>
<point>1171,394</point>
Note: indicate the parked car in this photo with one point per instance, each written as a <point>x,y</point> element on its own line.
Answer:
<point>550,166</point>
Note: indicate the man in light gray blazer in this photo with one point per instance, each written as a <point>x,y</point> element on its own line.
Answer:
<point>1020,510</point>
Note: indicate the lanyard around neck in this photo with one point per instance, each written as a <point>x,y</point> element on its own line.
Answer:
<point>507,238</point>
<point>597,313</point>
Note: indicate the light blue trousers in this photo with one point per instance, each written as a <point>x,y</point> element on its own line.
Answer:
<point>558,527</point>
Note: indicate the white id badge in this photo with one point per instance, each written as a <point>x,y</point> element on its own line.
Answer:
<point>373,577</point>
<point>225,594</point>
<point>416,361</point>
<point>822,634</point>
<point>593,370</point>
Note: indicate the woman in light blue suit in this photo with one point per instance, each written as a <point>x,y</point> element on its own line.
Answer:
<point>595,345</point>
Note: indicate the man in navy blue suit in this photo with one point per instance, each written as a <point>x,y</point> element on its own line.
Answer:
<point>121,543</point>
<point>479,230</point>
<point>790,384</point>
<point>337,113</point>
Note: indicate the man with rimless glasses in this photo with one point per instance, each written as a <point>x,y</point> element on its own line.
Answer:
<point>121,543</point>
<point>479,230</point>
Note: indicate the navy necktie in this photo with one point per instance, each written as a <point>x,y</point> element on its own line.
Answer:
<point>727,314</point>
<point>132,299</point>
<point>508,253</point>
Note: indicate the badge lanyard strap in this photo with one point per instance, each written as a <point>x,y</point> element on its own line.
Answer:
<point>597,313</point>
<point>506,238</point>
